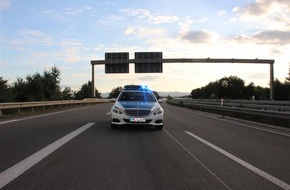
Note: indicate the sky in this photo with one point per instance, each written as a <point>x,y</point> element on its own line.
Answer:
<point>37,35</point>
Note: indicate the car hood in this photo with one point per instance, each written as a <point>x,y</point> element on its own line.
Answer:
<point>134,105</point>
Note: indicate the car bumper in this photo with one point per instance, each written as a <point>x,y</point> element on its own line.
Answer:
<point>123,119</point>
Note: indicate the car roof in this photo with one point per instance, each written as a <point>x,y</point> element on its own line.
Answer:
<point>136,88</point>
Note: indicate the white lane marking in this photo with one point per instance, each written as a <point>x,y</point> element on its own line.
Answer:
<point>10,174</point>
<point>109,113</point>
<point>243,163</point>
<point>194,157</point>
<point>9,121</point>
<point>236,123</point>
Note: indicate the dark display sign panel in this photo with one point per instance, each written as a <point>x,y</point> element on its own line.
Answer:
<point>148,62</point>
<point>117,63</point>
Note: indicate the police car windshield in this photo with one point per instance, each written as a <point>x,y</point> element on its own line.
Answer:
<point>137,96</point>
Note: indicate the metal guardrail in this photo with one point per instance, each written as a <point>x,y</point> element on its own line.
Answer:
<point>45,104</point>
<point>277,109</point>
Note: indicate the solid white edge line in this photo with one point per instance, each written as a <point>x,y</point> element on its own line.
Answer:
<point>200,162</point>
<point>9,121</point>
<point>243,163</point>
<point>10,174</point>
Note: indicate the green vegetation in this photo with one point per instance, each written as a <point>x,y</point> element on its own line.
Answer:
<point>42,87</point>
<point>115,92</point>
<point>234,88</point>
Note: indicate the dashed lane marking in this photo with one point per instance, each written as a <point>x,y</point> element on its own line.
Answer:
<point>243,163</point>
<point>199,161</point>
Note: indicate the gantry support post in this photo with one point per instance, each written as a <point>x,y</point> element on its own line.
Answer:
<point>272,81</point>
<point>93,81</point>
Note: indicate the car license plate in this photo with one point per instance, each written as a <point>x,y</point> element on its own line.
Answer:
<point>138,120</point>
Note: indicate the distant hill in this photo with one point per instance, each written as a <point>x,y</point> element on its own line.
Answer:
<point>164,94</point>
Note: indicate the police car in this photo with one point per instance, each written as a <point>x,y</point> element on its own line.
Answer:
<point>137,105</point>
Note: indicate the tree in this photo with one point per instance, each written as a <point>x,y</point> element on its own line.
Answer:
<point>196,93</point>
<point>42,87</point>
<point>287,85</point>
<point>280,90</point>
<point>212,90</point>
<point>20,90</point>
<point>68,94</point>
<point>261,93</point>
<point>6,93</point>
<point>287,81</point>
<point>35,87</point>
<point>51,84</point>
<point>250,91</point>
<point>232,87</point>
<point>38,87</point>
<point>115,92</point>
<point>86,92</point>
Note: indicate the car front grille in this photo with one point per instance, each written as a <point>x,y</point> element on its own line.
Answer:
<point>128,121</point>
<point>137,112</point>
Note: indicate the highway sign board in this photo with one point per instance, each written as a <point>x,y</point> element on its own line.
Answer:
<point>117,62</point>
<point>148,62</point>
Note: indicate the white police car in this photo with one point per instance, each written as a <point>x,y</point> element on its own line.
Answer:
<point>137,105</point>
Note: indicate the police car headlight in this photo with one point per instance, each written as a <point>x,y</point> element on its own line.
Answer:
<point>117,110</point>
<point>158,111</point>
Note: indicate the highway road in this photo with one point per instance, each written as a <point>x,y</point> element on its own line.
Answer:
<point>77,149</point>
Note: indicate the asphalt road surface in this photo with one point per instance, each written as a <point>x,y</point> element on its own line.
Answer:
<point>77,149</point>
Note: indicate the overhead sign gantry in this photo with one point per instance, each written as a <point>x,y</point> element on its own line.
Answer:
<point>152,62</point>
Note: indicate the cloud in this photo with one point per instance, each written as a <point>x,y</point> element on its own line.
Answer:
<point>199,36</point>
<point>44,46</point>
<point>33,37</point>
<point>146,16</point>
<point>129,30</point>
<point>145,32</point>
<point>5,4</point>
<point>266,37</point>
<point>136,12</point>
<point>165,19</point>
<point>255,9</point>
<point>221,12</point>
<point>67,12</point>
<point>76,11</point>
<point>273,37</point>
<point>235,9</point>
<point>71,50</point>
<point>38,54</point>
<point>272,15</point>
<point>70,43</point>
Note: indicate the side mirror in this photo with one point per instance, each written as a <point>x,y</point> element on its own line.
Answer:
<point>160,100</point>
